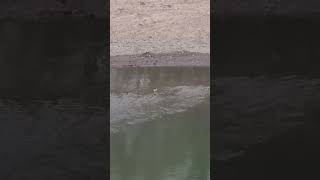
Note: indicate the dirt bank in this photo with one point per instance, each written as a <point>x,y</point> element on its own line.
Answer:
<point>182,58</point>
<point>159,26</point>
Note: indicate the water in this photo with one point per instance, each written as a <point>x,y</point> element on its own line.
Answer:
<point>160,134</point>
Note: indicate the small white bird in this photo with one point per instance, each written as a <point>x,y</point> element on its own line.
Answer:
<point>155,91</point>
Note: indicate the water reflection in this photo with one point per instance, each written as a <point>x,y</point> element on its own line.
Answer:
<point>162,135</point>
<point>142,80</point>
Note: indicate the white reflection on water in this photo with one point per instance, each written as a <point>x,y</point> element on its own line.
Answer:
<point>130,108</point>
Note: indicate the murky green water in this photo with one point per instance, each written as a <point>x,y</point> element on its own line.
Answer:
<point>162,134</point>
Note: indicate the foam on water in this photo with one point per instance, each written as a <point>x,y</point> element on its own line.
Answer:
<point>131,108</point>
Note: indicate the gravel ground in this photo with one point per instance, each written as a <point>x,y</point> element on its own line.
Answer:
<point>159,26</point>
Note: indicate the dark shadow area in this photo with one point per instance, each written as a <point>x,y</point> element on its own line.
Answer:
<point>256,45</point>
<point>265,97</point>
<point>49,59</point>
<point>53,97</point>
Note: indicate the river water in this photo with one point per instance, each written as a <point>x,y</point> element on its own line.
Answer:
<point>160,123</point>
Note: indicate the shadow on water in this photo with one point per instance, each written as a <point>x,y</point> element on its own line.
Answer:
<point>162,134</point>
<point>52,114</point>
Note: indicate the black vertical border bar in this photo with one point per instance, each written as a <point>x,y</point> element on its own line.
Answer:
<point>212,77</point>
<point>107,63</point>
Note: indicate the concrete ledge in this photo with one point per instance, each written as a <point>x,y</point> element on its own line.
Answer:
<point>183,58</point>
